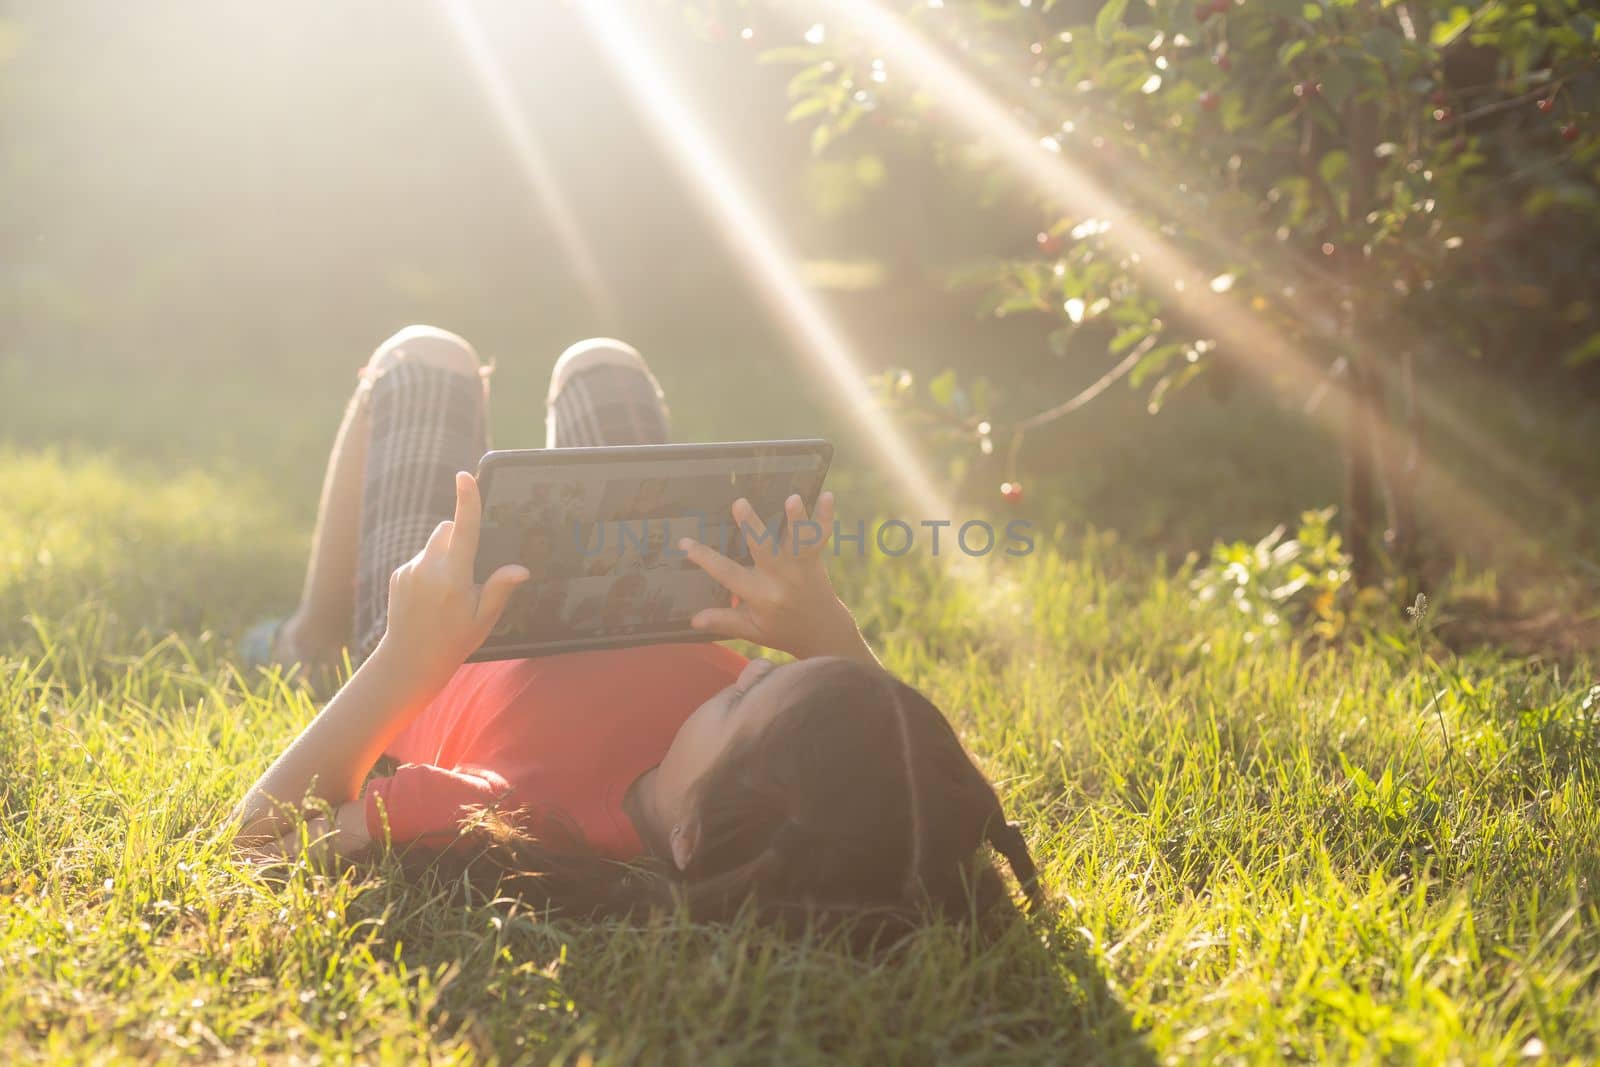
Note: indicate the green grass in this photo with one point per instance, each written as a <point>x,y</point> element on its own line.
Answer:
<point>1259,850</point>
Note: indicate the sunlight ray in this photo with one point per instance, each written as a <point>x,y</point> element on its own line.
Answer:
<point>757,242</point>
<point>548,197</point>
<point>1311,293</point>
<point>1253,343</point>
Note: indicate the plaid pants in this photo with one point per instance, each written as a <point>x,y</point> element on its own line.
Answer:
<point>428,422</point>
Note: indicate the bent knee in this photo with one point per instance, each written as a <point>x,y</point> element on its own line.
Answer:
<point>428,345</point>
<point>596,352</point>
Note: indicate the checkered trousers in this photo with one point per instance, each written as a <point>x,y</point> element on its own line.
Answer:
<point>429,422</point>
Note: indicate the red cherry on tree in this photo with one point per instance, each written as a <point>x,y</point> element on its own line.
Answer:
<point>1012,491</point>
<point>1223,61</point>
<point>1547,105</point>
<point>1220,7</point>
<point>1048,242</point>
<point>1439,98</point>
<point>1209,100</point>
<point>1307,89</point>
<point>1202,12</point>
<point>1570,132</point>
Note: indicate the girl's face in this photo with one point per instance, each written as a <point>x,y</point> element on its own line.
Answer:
<point>748,706</point>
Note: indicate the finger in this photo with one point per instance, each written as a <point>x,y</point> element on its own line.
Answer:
<point>823,513</point>
<point>270,861</point>
<point>438,541</point>
<point>726,622</point>
<point>812,535</point>
<point>276,850</point>
<point>728,574</point>
<point>497,592</point>
<point>745,514</point>
<point>794,509</point>
<point>750,524</point>
<point>469,515</point>
<point>317,828</point>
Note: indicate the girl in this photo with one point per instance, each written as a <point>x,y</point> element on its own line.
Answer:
<point>818,787</point>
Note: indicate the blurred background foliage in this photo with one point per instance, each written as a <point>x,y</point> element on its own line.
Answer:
<point>1391,190</point>
<point>211,212</point>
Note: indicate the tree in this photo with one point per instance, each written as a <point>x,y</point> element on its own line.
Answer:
<point>1356,179</point>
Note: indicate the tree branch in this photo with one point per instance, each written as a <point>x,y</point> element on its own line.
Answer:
<point>1100,385</point>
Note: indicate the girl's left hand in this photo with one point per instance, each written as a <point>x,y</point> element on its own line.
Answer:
<point>438,615</point>
<point>785,600</point>
<point>345,836</point>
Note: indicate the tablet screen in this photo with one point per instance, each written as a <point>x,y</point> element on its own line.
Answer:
<point>599,528</point>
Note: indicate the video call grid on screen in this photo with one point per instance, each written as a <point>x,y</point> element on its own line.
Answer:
<point>599,533</point>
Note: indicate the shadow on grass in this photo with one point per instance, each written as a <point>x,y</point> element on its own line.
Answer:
<point>1564,634</point>
<point>667,990</point>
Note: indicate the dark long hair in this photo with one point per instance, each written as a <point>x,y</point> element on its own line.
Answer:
<point>857,801</point>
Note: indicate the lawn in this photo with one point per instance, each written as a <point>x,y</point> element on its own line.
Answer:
<point>1260,846</point>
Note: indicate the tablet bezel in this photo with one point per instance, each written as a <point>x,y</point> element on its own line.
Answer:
<point>501,459</point>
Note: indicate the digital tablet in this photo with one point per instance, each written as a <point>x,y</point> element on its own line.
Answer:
<point>598,528</point>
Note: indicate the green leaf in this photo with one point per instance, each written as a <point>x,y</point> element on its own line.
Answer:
<point>1128,338</point>
<point>1588,352</point>
<point>1033,281</point>
<point>1333,166</point>
<point>1448,29</point>
<point>1169,382</point>
<point>1017,302</point>
<point>811,105</point>
<point>1110,17</point>
<point>1153,362</point>
<point>806,81</point>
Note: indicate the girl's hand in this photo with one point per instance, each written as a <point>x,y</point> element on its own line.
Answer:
<point>344,836</point>
<point>784,600</point>
<point>438,615</point>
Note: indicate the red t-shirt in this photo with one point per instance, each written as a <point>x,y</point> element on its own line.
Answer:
<point>554,743</point>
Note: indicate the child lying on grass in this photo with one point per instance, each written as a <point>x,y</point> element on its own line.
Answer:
<point>630,778</point>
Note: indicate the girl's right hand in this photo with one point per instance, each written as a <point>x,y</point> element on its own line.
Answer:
<point>438,615</point>
<point>784,600</point>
